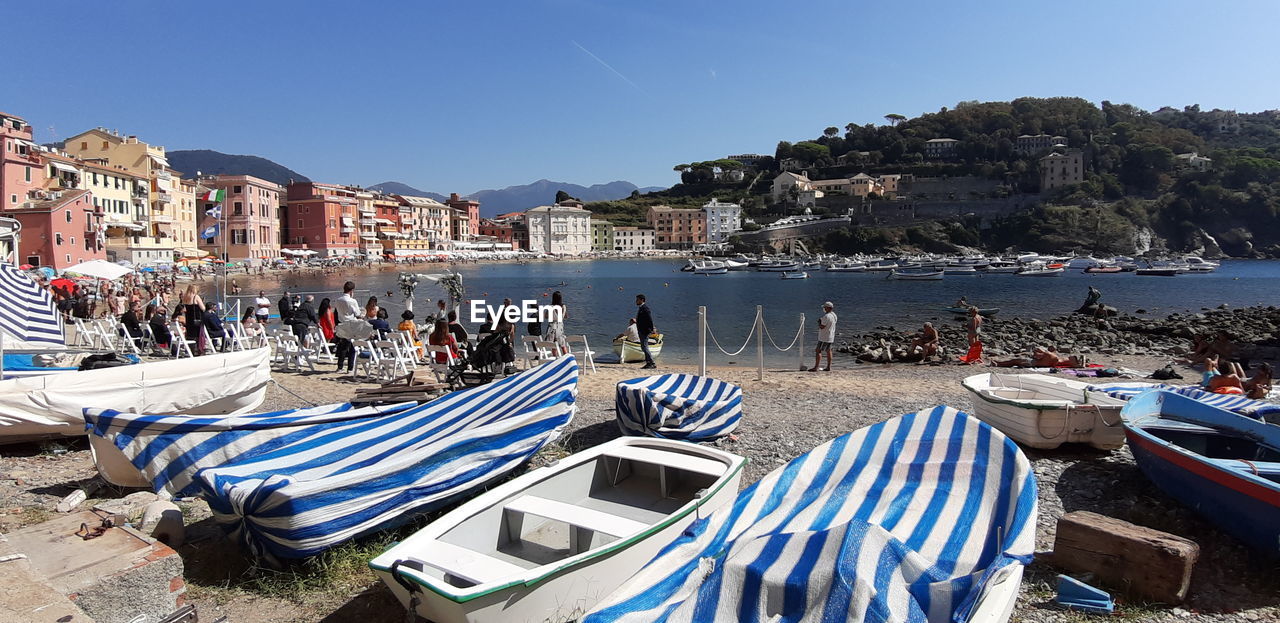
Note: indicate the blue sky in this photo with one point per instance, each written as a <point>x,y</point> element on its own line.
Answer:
<point>465,96</point>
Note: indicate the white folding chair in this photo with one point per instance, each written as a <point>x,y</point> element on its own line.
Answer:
<point>405,341</point>
<point>366,359</point>
<point>181,341</point>
<point>391,361</point>
<point>296,355</point>
<point>441,369</point>
<point>586,354</point>
<point>533,354</point>
<point>547,349</point>
<point>85,336</point>
<point>317,343</point>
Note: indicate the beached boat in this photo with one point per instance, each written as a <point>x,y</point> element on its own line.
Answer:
<point>964,311</point>
<point>1223,465</point>
<point>547,546</point>
<point>291,484</point>
<point>795,275</point>
<point>916,275</point>
<point>708,267</point>
<point>1260,409</point>
<point>1045,412</point>
<point>941,535</point>
<point>630,352</point>
<point>678,406</point>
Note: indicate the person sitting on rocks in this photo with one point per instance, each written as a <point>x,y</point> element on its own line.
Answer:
<point>926,341</point>
<point>1200,350</point>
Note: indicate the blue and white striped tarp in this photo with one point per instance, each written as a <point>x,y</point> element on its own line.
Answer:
<point>1235,403</point>
<point>678,406</point>
<point>906,520</point>
<point>291,484</point>
<point>26,309</point>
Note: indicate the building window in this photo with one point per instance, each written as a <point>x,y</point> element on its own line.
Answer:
<point>28,173</point>
<point>73,241</point>
<point>235,190</point>
<point>239,207</point>
<point>68,216</point>
<point>57,238</point>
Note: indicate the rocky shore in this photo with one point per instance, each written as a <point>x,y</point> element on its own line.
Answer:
<point>1254,330</point>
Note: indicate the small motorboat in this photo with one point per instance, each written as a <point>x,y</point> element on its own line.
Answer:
<point>780,266</point>
<point>1041,270</point>
<point>1045,412</point>
<point>846,267</point>
<point>964,311</point>
<point>878,507</point>
<point>547,546</point>
<point>1223,465</point>
<point>737,264</point>
<point>916,275</point>
<point>708,267</point>
<point>630,352</point>
<point>960,270</point>
<point>795,275</point>
<point>1157,272</point>
<point>1001,266</point>
<point>1104,270</point>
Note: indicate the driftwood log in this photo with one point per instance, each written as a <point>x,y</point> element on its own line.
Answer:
<point>1139,561</point>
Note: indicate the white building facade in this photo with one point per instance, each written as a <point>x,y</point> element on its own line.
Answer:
<point>723,219</point>
<point>634,239</point>
<point>559,230</point>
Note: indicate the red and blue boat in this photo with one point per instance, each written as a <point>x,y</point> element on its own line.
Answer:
<point>1224,465</point>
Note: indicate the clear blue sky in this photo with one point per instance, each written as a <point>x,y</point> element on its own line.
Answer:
<point>461,96</point>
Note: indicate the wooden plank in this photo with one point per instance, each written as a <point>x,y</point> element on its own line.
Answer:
<point>1139,561</point>
<point>461,562</point>
<point>587,518</point>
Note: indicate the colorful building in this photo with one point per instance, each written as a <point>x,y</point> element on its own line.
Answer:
<point>501,232</point>
<point>430,219</point>
<point>20,168</point>
<point>185,241</point>
<point>465,219</point>
<point>249,226</point>
<point>321,218</point>
<point>634,239</point>
<point>601,235</point>
<point>59,232</point>
<point>677,228</point>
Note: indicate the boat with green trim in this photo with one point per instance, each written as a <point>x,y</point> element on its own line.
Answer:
<point>549,545</point>
<point>1042,411</point>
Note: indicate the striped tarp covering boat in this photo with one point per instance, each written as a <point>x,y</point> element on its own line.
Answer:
<point>1236,403</point>
<point>906,520</point>
<point>26,309</point>
<point>678,406</point>
<point>293,484</point>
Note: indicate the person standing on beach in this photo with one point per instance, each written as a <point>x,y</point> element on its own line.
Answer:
<point>286,309</point>
<point>974,325</point>
<point>346,309</point>
<point>262,308</point>
<point>304,318</point>
<point>826,336</point>
<point>644,324</point>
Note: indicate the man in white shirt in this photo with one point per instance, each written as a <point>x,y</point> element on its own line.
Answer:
<point>345,309</point>
<point>631,333</point>
<point>262,306</point>
<point>826,336</point>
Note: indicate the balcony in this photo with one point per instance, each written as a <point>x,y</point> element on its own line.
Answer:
<point>163,175</point>
<point>368,221</point>
<point>164,197</point>
<point>161,217</point>
<point>348,230</point>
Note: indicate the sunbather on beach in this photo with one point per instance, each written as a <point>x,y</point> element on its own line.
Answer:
<point>1041,358</point>
<point>1259,385</point>
<point>1228,380</point>
<point>926,341</point>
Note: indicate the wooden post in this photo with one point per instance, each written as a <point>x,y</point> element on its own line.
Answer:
<point>1140,561</point>
<point>759,342</point>
<point>702,340</point>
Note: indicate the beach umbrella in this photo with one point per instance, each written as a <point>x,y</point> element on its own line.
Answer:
<point>26,267</point>
<point>100,269</point>
<point>47,272</point>
<point>26,309</point>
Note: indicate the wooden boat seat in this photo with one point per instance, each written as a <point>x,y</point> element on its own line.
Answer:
<point>1261,468</point>
<point>686,462</point>
<point>464,563</point>
<point>585,518</point>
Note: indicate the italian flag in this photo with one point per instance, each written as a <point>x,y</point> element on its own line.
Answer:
<point>214,195</point>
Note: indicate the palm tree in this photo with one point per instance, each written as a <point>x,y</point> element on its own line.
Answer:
<point>894,118</point>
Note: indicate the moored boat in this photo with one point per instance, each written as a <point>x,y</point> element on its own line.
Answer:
<point>795,275</point>
<point>1167,271</point>
<point>1223,465</point>
<point>708,267</point>
<point>792,546</point>
<point>1103,270</point>
<point>1045,412</point>
<point>964,311</point>
<point>779,266</point>
<point>503,556</point>
<point>916,275</point>
<point>630,352</point>
<point>1038,269</point>
<point>960,270</point>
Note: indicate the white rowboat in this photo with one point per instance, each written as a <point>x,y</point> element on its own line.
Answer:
<point>547,546</point>
<point>1041,411</point>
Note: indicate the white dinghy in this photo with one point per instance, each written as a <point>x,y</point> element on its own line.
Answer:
<point>547,546</point>
<point>1041,411</point>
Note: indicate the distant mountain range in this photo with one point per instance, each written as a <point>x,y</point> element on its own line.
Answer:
<point>523,197</point>
<point>209,162</point>
<point>492,202</point>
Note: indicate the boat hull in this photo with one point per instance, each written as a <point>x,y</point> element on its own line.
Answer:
<point>572,588</point>
<point>630,352</point>
<point>1239,507</point>
<point>1050,414</point>
<point>932,276</point>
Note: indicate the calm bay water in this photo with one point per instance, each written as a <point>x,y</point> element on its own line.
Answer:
<point>600,296</point>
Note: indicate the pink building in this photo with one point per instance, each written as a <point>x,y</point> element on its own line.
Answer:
<point>250,225</point>
<point>21,169</point>
<point>60,232</point>
<point>321,218</point>
<point>465,219</point>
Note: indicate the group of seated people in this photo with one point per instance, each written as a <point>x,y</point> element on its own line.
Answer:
<point>190,320</point>
<point>1222,376</point>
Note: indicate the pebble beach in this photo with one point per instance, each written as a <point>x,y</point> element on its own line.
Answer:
<point>786,414</point>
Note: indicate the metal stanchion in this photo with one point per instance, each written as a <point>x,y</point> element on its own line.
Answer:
<point>702,340</point>
<point>759,342</point>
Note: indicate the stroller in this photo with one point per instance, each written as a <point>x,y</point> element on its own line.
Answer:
<point>493,351</point>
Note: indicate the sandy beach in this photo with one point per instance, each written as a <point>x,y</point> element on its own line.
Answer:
<point>786,414</point>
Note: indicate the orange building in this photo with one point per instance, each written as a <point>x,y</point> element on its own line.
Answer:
<point>677,228</point>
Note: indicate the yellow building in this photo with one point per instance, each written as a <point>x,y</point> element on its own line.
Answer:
<point>156,219</point>
<point>186,219</point>
<point>121,196</point>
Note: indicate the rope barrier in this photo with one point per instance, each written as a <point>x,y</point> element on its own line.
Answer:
<point>744,344</point>
<point>793,340</point>
<point>286,390</point>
